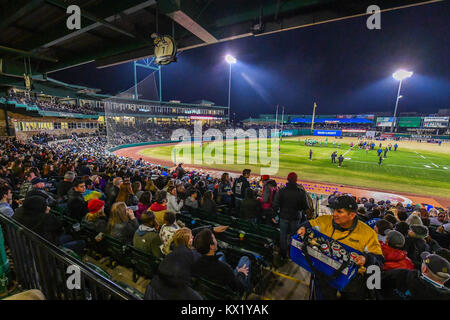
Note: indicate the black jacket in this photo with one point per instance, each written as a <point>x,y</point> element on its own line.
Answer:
<point>250,208</point>
<point>42,193</point>
<point>402,284</point>
<point>76,206</point>
<point>414,247</point>
<point>63,188</point>
<point>209,206</point>
<point>292,201</point>
<point>174,276</point>
<point>240,186</point>
<point>125,231</point>
<point>98,225</point>
<point>46,225</point>
<point>218,272</point>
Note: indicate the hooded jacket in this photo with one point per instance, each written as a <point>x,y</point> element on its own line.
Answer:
<point>159,209</point>
<point>141,209</point>
<point>147,239</point>
<point>395,258</point>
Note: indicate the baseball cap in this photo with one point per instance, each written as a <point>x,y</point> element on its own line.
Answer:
<point>37,180</point>
<point>344,202</point>
<point>437,264</point>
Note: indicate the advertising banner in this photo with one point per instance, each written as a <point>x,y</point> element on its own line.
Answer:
<point>409,122</point>
<point>384,121</point>
<point>435,122</point>
<point>329,133</point>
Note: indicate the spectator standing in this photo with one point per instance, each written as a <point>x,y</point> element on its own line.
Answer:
<point>291,202</point>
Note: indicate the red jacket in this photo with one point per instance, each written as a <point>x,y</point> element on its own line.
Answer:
<point>395,258</point>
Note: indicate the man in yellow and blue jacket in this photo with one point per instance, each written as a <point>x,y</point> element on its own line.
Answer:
<point>344,226</point>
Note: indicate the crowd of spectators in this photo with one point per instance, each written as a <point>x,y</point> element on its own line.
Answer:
<point>56,105</point>
<point>138,203</point>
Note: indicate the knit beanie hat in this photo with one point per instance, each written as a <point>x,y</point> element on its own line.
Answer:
<point>390,218</point>
<point>95,205</point>
<point>402,227</point>
<point>292,177</point>
<point>383,225</point>
<point>419,230</point>
<point>395,239</point>
<point>413,219</point>
<point>35,204</point>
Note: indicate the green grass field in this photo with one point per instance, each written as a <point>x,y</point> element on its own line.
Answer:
<point>405,170</point>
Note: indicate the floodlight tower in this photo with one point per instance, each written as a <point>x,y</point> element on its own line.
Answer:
<point>399,75</point>
<point>230,60</point>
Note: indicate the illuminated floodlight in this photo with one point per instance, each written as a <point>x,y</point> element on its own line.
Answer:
<point>401,74</point>
<point>230,59</point>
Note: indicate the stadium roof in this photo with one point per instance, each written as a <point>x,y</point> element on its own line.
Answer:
<point>114,32</point>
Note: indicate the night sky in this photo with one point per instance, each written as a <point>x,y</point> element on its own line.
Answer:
<point>343,66</point>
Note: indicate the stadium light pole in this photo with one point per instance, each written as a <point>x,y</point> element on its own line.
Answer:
<point>230,60</point>
<point>399,75</point>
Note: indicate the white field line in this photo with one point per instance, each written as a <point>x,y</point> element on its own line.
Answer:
<point>435,165</point>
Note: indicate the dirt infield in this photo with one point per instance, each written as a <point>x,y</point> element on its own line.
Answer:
<point>312,186</point>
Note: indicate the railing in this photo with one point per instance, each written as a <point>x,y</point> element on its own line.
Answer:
<point>41,265</point>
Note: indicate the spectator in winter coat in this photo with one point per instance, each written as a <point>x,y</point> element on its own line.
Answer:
<point>240,185</point>
<point>64,186</point>
<point>381,226</point>
<point>34,214</point>
<point>403,228</point>
<point>96,216</point>
<point>122,223</point>
<point>208,205</point>
<point>146,237</point>
<point>126,195</point>
<point>159,207</point>
<point>394,256</point>
<point>250,207</point>
<point>191,201</point>
<point>291,201</point>
<point>173,204</point>
<point>167,231</point>
<point>112,190</point>
<point>76,206</point>
<point>224,192</point>
<point>145,201</point>
<point>415,243</point>
<point>268,196</point>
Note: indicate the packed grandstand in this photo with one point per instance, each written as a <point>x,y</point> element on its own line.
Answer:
<point>197,233</point>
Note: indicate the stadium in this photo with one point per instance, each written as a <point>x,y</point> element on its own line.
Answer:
<point>122,179</point>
